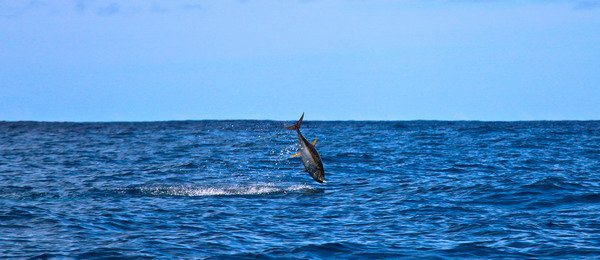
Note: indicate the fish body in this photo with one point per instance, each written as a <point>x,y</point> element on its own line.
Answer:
<point>310,156</point>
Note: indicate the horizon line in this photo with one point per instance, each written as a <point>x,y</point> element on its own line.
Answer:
<point>276,120</point>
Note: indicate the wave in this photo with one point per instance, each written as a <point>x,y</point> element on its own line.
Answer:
<point>312,250</point>
<point>237,190</point>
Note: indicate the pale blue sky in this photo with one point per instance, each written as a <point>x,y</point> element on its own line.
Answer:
<point>335,60</point>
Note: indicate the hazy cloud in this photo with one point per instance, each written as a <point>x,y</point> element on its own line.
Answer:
<point>191,7</point>
<point>108,10</point>
<point>587,5</point>
<point>14,8</point>
<point>158,8</point>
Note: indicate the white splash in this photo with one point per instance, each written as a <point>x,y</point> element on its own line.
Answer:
<point>192,191</point>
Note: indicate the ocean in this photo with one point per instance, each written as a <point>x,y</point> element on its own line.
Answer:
<point>229,189</point>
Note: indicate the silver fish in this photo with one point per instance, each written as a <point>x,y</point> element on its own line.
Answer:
<point>310,157</point>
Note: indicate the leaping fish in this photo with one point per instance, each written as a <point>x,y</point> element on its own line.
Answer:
<point>310,157</point>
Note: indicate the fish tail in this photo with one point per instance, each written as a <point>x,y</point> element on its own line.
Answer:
<point>297,125</point>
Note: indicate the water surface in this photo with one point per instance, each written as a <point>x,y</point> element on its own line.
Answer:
<point>228,188</point>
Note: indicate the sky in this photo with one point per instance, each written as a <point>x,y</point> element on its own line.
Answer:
<point>145,60</point>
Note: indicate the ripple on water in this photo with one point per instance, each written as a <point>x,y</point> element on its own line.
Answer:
<point>229,189</point>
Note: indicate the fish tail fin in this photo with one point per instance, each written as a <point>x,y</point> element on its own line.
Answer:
<point>297,125</point>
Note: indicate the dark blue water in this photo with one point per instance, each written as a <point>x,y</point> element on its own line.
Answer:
<point>228,188</point>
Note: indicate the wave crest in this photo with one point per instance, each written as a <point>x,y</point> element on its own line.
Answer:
<point>237,190</point>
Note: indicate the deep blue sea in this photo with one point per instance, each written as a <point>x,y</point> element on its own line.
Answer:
<point>227,189</point>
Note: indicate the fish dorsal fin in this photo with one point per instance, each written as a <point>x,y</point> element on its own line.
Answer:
<point>315,141</point>
<point>296,155</point>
